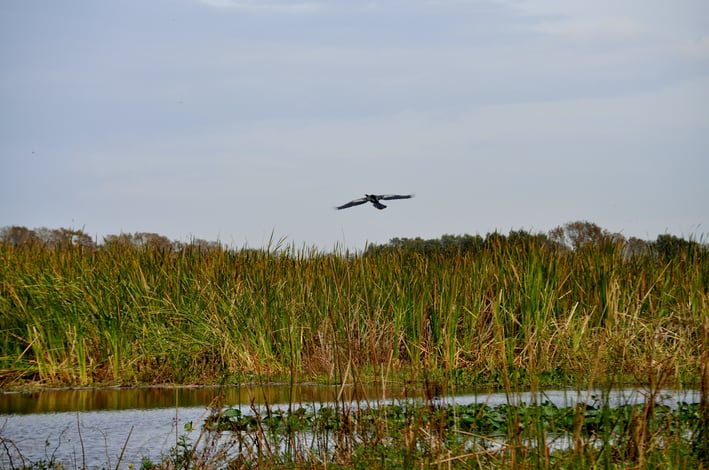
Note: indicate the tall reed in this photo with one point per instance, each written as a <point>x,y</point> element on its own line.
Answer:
<point>121,313</point>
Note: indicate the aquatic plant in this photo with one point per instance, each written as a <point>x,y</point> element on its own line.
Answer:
<point>512,311</point>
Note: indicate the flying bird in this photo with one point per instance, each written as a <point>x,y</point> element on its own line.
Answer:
<point>374,199</point>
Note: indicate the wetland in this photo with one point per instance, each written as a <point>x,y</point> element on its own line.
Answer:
<point>410,324</point>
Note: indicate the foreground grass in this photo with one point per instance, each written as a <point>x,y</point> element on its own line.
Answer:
<point>464,436</point>
<point>432,435</point>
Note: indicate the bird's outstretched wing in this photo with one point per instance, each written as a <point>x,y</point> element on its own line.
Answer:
<point>388,197</point>
<point>355,202</point>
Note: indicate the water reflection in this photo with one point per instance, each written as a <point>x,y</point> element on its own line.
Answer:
<point>143,398</point>
<point>105,399</point>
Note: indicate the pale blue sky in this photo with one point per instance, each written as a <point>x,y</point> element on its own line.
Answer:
<point>236,119</point>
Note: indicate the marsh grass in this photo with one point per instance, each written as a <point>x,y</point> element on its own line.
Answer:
<point>521,311</point>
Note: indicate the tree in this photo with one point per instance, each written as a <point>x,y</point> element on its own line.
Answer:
<point>53,238</point>
<point>581,233</point>
<point>668,247</point>
<point>16,235</point>
<point>635,247</point>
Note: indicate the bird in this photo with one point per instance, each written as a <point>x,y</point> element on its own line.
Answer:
<point>374,199</point>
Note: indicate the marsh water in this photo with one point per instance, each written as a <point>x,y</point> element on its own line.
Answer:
<point>102,428</point>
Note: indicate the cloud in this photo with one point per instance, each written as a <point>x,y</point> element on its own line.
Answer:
<point>697,48</point>
<point>265,5</point>
<point>656,18</point>
<point>606,27</point>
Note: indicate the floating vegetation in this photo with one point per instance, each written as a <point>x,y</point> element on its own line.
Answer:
<point>475,435</point>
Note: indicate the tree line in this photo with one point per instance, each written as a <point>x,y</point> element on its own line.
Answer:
<point>570,237</point>
<point>64,237</point>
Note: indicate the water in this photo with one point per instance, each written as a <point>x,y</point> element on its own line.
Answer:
<point>102,435</point>
<point>92,428</point>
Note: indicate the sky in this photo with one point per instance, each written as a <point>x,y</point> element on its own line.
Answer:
<point>244,121</point>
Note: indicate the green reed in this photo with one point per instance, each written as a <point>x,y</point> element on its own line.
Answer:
<point>121,313</point>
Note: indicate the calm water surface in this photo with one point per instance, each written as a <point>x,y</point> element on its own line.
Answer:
<point>91,427</point>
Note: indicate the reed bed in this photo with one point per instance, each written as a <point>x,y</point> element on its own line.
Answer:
<point>125,314</point>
